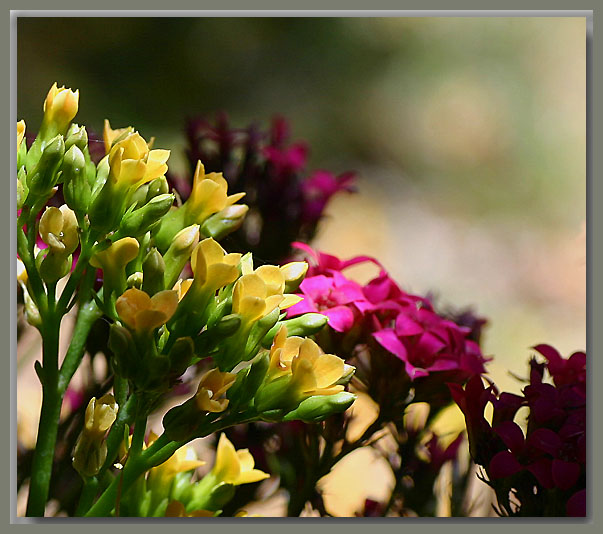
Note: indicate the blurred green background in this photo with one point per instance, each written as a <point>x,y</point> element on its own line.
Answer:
<point>468,134</point>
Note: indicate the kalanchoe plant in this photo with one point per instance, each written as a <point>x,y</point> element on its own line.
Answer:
<point>286,201</point>
<point>119,219</point>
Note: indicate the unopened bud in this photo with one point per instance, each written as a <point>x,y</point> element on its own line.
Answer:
<point>44,177</point>
<point>294,274</point>
<point>76,136</point>
<point>76,188</point>
<point>304,325</point>
<point>224,222</point>
<point>153,268</point>
<point>319,407</point>
<point>142,219</point>
<point>179,252</point>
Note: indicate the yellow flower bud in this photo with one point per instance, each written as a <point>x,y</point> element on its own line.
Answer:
<point>142,313</point>
<point>211,391</point>
<point>294,274</point>
<point>100,415</point>
<point>60,107</point>
<point>90,449</point>
<point>20,133</point>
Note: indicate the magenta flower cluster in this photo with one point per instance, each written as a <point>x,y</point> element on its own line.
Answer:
<point>406,325</point>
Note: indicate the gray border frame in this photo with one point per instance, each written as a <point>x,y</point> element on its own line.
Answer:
<point>312,12</point>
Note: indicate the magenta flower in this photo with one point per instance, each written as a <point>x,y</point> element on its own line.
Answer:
<point>331,296</point>
<point>427,343</point>
<point>318,189</point>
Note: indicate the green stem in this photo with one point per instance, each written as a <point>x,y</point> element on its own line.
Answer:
<point>87,315</point>
<point>48,424</point>
<point>88,493</point>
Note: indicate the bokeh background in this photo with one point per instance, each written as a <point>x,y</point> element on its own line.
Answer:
<point>468,134</point>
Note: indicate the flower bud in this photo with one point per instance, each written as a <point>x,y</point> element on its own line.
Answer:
<point>318,408</point>
<point>253,379</point>
<point>227,326</point>
<point>60,107</point>
<point>141,220</point>
<point>76,188</point>
<point>124,351</point>
<point>22,189</point>
<point>90,450</point>
<point>44,177</point>
<point>303,325</point>
<point>153,268</point>
<point>179,252</point>
<point>181,355</point>
<point>32,314</point>
<point>21,146</point>
<point>53,267</point>
<point>158,186</point>
<point>134,280</point>
<point>225,221</point>
<point>76,136</point>
<point>294,274</point>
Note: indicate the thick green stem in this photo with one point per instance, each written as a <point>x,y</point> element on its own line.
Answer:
<point>48,424</point>
<point>54,385</point>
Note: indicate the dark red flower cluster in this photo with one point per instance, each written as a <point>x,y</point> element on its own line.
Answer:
<point>286,201</point>
<point>546,465</point>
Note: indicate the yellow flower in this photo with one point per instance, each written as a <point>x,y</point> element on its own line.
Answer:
<point>184,459</point>
<point>282,352</point>
<point>314,372</point>
<point>182,286</point>
<point>212,267</point>
<point>208,195</point>
<point>113,261</point>
<point>257,294</point>
<point>177,509</point>
<point>235,467</point>
<point>142,313</point>
<point>110,135</point>
<point>211,390</point>
<point>59,230</point>
<point>132,164</point>
<point>60,107</point>
<point>20,133</point>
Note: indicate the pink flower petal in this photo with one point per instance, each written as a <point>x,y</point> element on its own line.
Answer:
<point>341,318</point>
<point>388,339</point>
